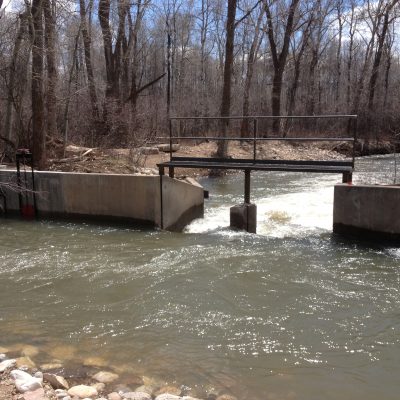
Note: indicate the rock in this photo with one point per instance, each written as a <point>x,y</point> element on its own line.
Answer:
<point>150,381</point>
<point>167,396</point>
<point>25,361</point>
<point>29,351</point>
<point>82,391</point>
<point>146,389</point>
<point>37,394</point>
<point>136,396</point>
<point>25,382</point>
<point>67,398</point>
<point>60,393</point>
<point>2,357</point>
<point>189,398</point>
<point>50,366</point>
<point>226,397</point>
<point>114,396</point>
<point>95,362</point>
<point>99,386</point>
<point>57,382</point>
<point>169,389</point>
<point>105,377</point>
<point>122,389</point>
<point>4,349</point>
<point>7,364</point>
<point>148,150</point>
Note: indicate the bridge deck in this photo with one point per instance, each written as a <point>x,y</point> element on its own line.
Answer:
<point>333,166</point>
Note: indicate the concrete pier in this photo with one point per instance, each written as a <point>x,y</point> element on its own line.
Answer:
<point>367,211</point>
<point>244,217</point>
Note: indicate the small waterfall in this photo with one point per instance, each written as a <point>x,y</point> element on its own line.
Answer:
<point>307,208</point>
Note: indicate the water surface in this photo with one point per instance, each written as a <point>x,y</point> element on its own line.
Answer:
<point>291,313</point>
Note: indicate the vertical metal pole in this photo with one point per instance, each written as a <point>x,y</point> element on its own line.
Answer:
<point>247,186</point>
<point>355,123</point>
<point>161,172</point>
<point>33,188</point>
<point>255,124</point>
<point>170,138</point>
<point>169,90</point>
<point>19,183</point>
<point>168,72</point>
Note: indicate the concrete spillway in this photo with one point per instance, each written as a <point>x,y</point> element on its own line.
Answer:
<point>169,203</point>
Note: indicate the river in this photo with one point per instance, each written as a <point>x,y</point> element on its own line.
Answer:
<point>293,312</point>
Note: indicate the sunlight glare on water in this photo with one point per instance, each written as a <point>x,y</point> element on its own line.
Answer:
<point>291,313</point>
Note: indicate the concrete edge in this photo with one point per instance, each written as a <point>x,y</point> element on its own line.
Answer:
<point>366,234</point>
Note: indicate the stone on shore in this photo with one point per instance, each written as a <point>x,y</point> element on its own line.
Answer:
<point>105,377</point>
<point>25,382</point>
<point>50,366</point>
<point>82,391</point>
<point>57,382</point>
<point>7,364</point>
<point>136,396</point>
<point>226,397</point>
<point>168,396</point>
<point>114,396</point>
<point>60,393</point>
<point>168,389</point>
<point>94,362</point>
<point>37,394</point>
<point>99,386</point>
<point>146,389</point>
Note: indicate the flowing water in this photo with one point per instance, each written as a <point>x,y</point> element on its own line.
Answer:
<point>291,313</point>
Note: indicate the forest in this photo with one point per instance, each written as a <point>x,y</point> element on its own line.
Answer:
<point>110,72</point>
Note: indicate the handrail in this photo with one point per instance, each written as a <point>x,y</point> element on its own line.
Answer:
<point>254,138</point>
<point>352,116</point>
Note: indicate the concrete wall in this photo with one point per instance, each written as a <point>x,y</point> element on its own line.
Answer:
<point>126,198</point>
<point>369,211</point>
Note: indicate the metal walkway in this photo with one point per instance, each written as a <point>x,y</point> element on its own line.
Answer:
<point>256,164</point>
<point>344,167</point>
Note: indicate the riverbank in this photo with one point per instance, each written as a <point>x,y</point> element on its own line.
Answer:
<point>143,161</point>
<point>22,379</point>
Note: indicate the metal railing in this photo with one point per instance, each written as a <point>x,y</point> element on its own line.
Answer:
<point>351,129</point>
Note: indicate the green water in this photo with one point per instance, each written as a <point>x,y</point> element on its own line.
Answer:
<point>291,313</point>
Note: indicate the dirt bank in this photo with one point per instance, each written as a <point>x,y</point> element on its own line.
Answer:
<point>145,160</point>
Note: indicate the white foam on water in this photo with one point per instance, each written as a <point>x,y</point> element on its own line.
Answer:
<point>282,215</point>
<point>296,214</point>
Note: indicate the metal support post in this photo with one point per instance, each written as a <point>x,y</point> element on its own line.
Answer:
<point>247,186</point>
<point>347,177</point>
<point>255,140</point>
<point>161,172</point>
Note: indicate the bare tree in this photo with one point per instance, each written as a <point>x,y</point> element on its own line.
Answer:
<point>279,52</point>
<point>226,91</point>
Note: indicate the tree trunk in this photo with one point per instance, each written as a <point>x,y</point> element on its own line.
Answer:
<point>87,43</point>
<point>38,120</point>
<point>244,129</point>
<point>378,56</point>
<point>50,39</point>
<point>279,59</point>
<point>228,66</point>
<point>11,84</point>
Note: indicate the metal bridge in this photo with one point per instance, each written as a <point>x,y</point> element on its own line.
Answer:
<point>344,167</point>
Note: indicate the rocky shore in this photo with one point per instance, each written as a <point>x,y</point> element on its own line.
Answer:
<point>21,379</point>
